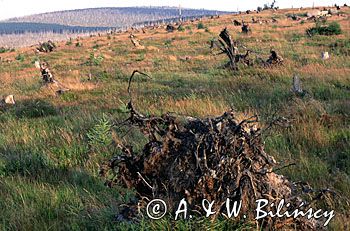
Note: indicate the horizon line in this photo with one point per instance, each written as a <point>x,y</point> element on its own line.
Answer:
<point>170,7</point>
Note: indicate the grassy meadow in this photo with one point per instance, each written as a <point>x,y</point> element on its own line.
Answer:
<point>51,146</point>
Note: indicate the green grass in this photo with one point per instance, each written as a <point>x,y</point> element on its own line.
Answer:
<point>51,146</point>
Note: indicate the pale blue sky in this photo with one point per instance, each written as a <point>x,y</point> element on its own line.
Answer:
<point>15,8</point>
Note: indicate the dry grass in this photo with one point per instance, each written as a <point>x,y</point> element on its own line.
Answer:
<point>48,172</point>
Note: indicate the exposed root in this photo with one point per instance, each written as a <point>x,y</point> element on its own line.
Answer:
<point>216,159</point>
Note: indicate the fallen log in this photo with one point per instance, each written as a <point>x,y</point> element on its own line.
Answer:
<point>135,42</point>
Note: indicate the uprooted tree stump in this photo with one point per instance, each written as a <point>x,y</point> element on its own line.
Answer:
<point>48,46</point>
<point>236,23</point>
<point>46,74</point>
<point>229,47</point>
<point>48,77</point>
<point>274,59</point>
<point>216,159</point>
<point>246,28</point>
<point>244,58</point>
<point>170,28</point>
<point>7,101</point>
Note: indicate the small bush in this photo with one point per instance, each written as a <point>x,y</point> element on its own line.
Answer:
<point>302,14</point>
<point>35,59</point>
<point>289,15</point>
<point>20,57</point>
<point>295,37</point>
<point>95,60</point>
<point>123,109</point>
<point>330,29</point>
<point>100,135</point>
<point>200,26</point>
<point>4,50</point>
<point>168,42</point>
<point>181,28</point>
<point>104,75</point>
<point>69,42</point>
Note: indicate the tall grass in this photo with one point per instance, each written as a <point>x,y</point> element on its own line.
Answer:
<point>51,146</point>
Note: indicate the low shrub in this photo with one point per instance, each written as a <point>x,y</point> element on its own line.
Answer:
<point>320,29</point>
<point>20,57</point>
<point>200,26</point>
<point>181,28</point>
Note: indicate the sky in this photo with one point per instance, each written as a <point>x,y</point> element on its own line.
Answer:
<point>16,8</point>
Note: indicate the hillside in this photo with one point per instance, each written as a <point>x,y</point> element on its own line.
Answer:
<point>17,28</point>
<point>52,145</point>
<point>111,17</point>
<point>29,30</point>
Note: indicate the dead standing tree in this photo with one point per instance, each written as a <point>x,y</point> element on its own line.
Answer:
<point>229,47</point>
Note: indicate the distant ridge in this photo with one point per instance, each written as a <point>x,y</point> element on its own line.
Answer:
<point>61,25</point>
<point>7,28</point>
<point>111,17</point>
